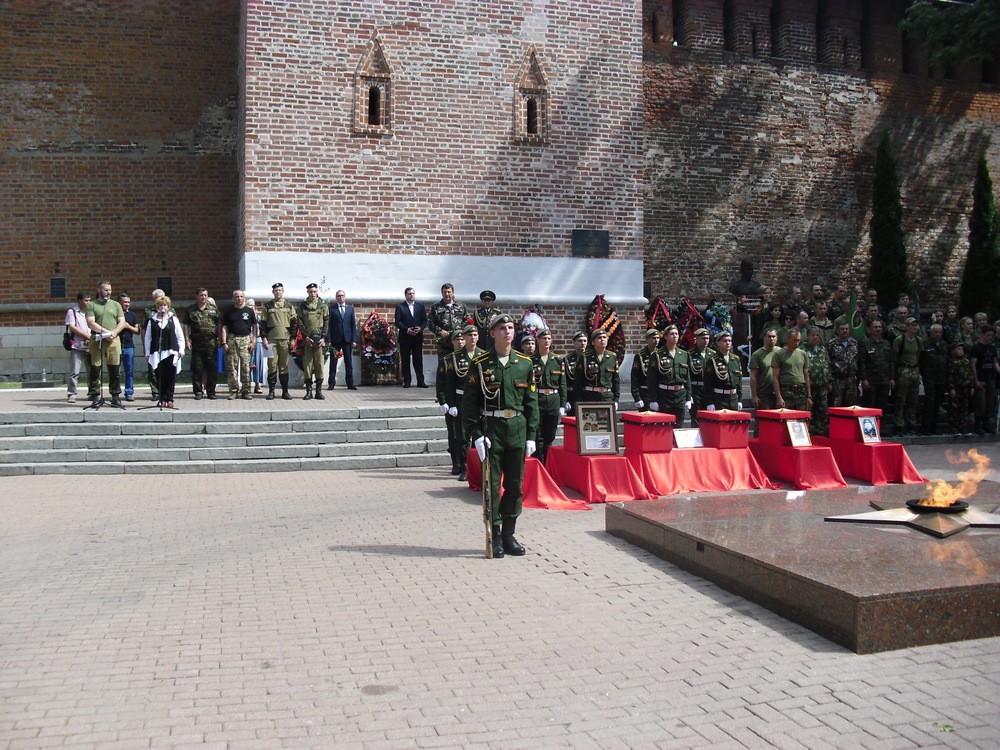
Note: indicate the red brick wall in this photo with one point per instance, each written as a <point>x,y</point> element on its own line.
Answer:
<point>118,134</point>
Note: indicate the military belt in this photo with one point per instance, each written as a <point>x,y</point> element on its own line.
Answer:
<point>504,413</point>
<point>548,391</point>
<point>697,382</point>
<point>596,388</point>
<point>671,387</point>
<point>725,391</point>
<point>459,391</point>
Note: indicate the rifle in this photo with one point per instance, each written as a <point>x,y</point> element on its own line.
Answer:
<point>487,505</point>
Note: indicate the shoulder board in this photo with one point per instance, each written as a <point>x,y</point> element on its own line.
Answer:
<point>523,356</point>
<point>481,358</point>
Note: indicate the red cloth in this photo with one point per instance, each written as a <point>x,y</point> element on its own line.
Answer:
<point>600,479</point>
<point>538,489</point>
<point>878,463</point>
<point>812,468</point>
<point>699,470</point>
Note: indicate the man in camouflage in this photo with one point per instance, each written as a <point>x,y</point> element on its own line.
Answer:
<point>202,332</point>
<point>276,329</point>
<point>640,370</point>
<point>906,351</point>
<point>843,352</point>
<point>723,376</point>
<point>876,369</point>
<point>443,318</point>
<point>314,317</point>
<point>821,380</point>
<point>550,377</point>
<point>669,378</point>
<point>934,374</point>
<point>961,386</point>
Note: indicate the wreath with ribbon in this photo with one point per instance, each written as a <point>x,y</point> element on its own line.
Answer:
<point>601,314</point>
<point>378,342</point>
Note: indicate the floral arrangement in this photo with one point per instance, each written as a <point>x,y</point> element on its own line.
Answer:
<point>378,342</point>
<point>602,315</point>
<point>532,323</point>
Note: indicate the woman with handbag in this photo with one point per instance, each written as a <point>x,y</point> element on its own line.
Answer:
<point>78,334</point>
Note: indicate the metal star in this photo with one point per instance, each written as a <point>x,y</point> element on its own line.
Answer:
<point>936,524</point>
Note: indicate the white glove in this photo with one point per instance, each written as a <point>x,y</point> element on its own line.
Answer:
<point>444,408</point>
<point>688,404</point>
<point>562,411</point>
<point>453,411</point>
<point>654,406</point>
<point>568,407</point>
<point>640,403</point>
<point>616,406</point>
<point>481,445</point>
<point>739,404</point>
<point>710,407</point>
<point>529,448</point>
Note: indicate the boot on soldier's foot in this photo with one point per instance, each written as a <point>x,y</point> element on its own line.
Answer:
<point>510,544</point>
<point>454,466</point>
<point>462,470</point>
<point>497,543</point>
<point>319,390</point>
<point>309,392</point>
<point>284,388</point>
<point>270,393</point>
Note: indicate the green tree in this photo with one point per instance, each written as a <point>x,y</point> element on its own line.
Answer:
<point>957,31</point>
<point>980,290</point>
<point>888,260</point>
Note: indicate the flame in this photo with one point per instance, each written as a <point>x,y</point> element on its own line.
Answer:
<point>941,494</point>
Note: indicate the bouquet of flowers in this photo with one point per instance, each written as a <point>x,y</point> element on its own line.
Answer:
<point>531,324</point>
<point>378,342</point>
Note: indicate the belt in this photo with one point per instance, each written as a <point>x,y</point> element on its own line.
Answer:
<point>697,382</point>
<point>596,388</point>
<point>672,387</point>
<point>726,391</point>
<point>459,392</point>
<point>504,413</point>
<point>548,391</point>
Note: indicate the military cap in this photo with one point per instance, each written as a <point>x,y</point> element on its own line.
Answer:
<point>722,334</point>
<point>457,333</point>
<point>277,285</point>
<point>578,334</point>
<point>957,345</point>
<point>469,329</point>
<point>311,286</point>
<point>702,332</point>
<point>544,332</point>
<point>652,332</point>
<point>527,338</point>
<point>500,320</point>
<point>486,294</point>
<point>671,327</point>
<point>910,319</point>
<point>597,332</point>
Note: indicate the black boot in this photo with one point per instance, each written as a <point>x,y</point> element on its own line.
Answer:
<point>497,543</point>
<point>462,470</point>
<point>309,392</point>
<point>454,465</point>
<point>284,388</point>
<point>319,390</point>
<point>510,545</point>
<point>270,391</point>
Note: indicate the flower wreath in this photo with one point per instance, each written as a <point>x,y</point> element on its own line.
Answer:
<point>378,342</point>
<point>531,324</point>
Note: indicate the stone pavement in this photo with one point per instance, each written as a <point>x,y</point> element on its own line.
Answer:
<point>356,610</point>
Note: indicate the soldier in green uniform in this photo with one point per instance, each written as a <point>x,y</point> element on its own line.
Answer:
<point>723,376</point>
<point>934,374</point>
<point>906,350</point>
<point>572,360</point>
<point>202,332</point>
<point>697,358</point>
<point>314,317</point>
<point>761,386</point>
<point>640,370</point>
<point>669,379</point>
<point>276,329</point>
<point>500,413</point>
<point>106,317</point>
<point>596,379</point>
<point>456,373</point>
<point>961,386</point>
<point>843,353</point>
<point>484,315</point>
<point>443,318</point>
<point>790,373</point>
<point>875,369</point>
<point>449,408</point>
<point>821,380</point>
<point>550,377</point>
<point>827,329</point>
<point>147,315</point>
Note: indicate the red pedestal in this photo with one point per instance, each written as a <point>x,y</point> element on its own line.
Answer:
<point>538,489</point>
<point>812,468</point>
<point>772,425</point>
<point>648,432</point>
<point>877,463</point>
<point>724,428</point>
<point>699,470</point>
<point>600,479</point>
<point>571,440</point>
<point>844,422</point>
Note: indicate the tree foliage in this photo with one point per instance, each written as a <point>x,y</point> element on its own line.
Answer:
<point>888,258</point>
<point>980,290</point>
<point>955,31</point>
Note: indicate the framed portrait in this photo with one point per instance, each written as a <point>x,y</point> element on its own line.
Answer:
<point>688,437</point>
<point>869,429</point>
<point>596,429</point>
<point>798,432</point>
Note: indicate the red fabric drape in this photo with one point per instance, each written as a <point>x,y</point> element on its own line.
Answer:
<point>538,488</point>
<point>812,468</point>
<point>600,479</point>
<point>878,463</point>
<point>699,470</point>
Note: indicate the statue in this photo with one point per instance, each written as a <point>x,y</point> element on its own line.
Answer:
<point>745,286</point>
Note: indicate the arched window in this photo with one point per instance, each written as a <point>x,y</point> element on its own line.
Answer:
<point>374,105</point>
<point>531,102</point>
<point>373,91</point>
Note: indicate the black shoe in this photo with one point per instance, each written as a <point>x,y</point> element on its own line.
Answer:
<point>319,394</point>
<point>497,543</point>
<point>454,467</point>
<point>422,385</point>
<point>352,388</point>
<point>309,393</point>
<point>510,544</point>
<point>197,397</point>
<point>331,387</point>
<point>95,400</point>
<point>463,476</point>
<point>406,385</point>
<point>211,396</point>
<point>286,395</point>
<point>270,394</point>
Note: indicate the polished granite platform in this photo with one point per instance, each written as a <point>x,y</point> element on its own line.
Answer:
<point>867,587</point>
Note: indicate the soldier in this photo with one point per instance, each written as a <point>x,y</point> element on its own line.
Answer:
<point>202,333</point>
<point>484,315</point>
<point>897,326</point>
<point>906,351</point>
<point>550,377</point>
<point>790,373</point>
<point>106,317</point>
<point>723,376</point>
<point>840,303</point>
<point>596,379</point>
<point>821,380</point>
<point>827,330</point>
<point>876,369</point>
<point>443,318</point>
<point>640,370</point>
<point>500,414</point>
<point>961,387</point>
<point>147,315</point>
<point>314,317</point>
<point>816,296</point>
<point>276,329</point>
<point>697,358</point>
<point>934,374</point>
<point>237,335</point>
<point>449,408</point>
<point>572,359</point>
<point>669,379</point>
<point>456,372</point>
<point>985,369</point>
<point>843,353</point>
<point>952,328</point>
<point>529,346</point>
<point>761,385</point>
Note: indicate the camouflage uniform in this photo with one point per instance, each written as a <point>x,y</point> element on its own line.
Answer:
<point>843,372</point>
<point>960,386</point>
<point>442,320</point>
<point>276,327</point>
<point>821,379</point>
<point>907,355</point>
<point>876,368</point>
<point>204,327</point>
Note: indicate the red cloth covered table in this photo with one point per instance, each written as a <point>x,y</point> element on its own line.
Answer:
<point>600,479</point>
<point>878,463</point>
<point>724,428</point>
<point>538,488</point>
<point>648,431</point>
<point>844,422</point>
<point>772,424</point>
<point>699,470</point>
<point>812,468</point>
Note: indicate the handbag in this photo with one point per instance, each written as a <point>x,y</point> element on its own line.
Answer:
<point>67,339</point>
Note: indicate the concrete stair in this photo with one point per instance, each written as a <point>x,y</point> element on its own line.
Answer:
<point>110,441</point>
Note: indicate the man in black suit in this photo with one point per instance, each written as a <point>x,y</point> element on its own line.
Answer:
<point>343,338</point>
<point>411,320</point>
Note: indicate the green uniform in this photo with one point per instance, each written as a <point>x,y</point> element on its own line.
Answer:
<point>875,368</point>
<point>827,331</point>
<point>314,316</point>
<point>501,403</point>
<point>455,373</point>
<point>203,325</point>
<point>640,374</point>
<point>550,377</point>
<point>723,381</point>
<point>906,354</point>
<point>596,378</point>
<point>760,361</point>
<point>482,318</point>
<point>669,381</point>
<point>442,319</point>
<point>696,363</point>
<point>934,374</point>
<point>570,363</point>
<point>107,314</point>
<point>276,326</point>
<point>820,379</point>
<point>844,371</point>
<point>960,385</point>
<point>793,365</point>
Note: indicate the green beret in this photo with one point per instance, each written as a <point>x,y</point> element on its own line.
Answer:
<point>500,320</point>
<point>702,332</point>
<point>470,329</point>
<point>457,333</point>
<point>722,334</point>
<point>652,332</point>
<point>597,332</point>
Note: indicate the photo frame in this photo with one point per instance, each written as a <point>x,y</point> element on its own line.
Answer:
<point>869,429</point>
<point>596,429</point>
<point>688,437</point>
<point>798,432</point>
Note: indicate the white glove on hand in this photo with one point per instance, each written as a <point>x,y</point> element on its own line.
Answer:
<point>444,408</point>
<point>640,403</point>
<point>688,404</point>
<point>453,411</point>
<point>616,406</point>
<point>710,407</point>
<point>562,411</point>
<point>654,405</point>
<point>568,407</point>
<point>529,448</point>
<point>739,404</point>
<point>481,445</point>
